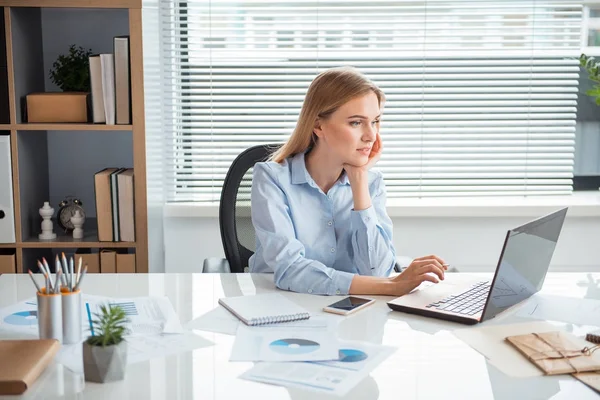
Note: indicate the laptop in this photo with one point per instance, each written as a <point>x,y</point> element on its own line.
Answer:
<point>521,271</point>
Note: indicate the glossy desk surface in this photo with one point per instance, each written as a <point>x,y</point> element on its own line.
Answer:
<point>427,364</point>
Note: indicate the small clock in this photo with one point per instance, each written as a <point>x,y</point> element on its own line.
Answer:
<point>66,211</point>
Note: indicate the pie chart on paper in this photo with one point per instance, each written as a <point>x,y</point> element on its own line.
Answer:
<point>22,318</point>
<point>294,346</point>
<point>351,355</point>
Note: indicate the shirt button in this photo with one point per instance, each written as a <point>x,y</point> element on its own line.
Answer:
<point>329,223</point>
<point>337,292</point>
<point>330,196</point>
<point>370,248</point>
<point>309,290</point>
<point>367,218</point>
<point>333,250</point>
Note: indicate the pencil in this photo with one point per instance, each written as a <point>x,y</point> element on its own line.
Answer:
<point>72,272</point>
<point>34,282</point>
<point>41,267</point>
<point>65,267</point>
<point>80,278</point>
<point>57,282</point>
<point>78,271</point>
<point>59,268</point>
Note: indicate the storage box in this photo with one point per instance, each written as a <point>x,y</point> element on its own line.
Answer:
<point>8,264</point>
<point>92,260</point>
<point>65,107</point>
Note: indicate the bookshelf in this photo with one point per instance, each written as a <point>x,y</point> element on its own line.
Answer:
<point>45,156</point>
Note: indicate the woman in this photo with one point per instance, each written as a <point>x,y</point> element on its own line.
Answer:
<point>317,207</point>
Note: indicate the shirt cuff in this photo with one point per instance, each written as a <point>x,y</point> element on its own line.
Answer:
<point>340,284</point>
<point>364,217</point>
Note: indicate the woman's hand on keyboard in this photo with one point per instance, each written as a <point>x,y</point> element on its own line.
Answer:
<point>429,268</point>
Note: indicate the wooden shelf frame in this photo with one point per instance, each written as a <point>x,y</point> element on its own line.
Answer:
<point>131,4</point>
<point>137,129</point>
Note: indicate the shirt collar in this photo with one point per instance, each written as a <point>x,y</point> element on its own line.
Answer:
<point>300,174</point>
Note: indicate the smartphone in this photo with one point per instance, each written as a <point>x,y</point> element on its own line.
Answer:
<point>349,305</point>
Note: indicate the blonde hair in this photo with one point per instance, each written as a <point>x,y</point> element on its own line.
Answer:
<point>328,91</point>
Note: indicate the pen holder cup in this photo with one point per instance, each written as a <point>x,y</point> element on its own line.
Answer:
<point>71,316</point>
<point>49,314</point>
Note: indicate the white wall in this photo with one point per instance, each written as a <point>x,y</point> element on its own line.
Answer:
<point>470,244</point>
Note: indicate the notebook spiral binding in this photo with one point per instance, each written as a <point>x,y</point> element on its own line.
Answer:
<point>278,319</point>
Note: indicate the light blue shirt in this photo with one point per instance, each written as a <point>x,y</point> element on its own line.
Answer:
<point>312,241</point>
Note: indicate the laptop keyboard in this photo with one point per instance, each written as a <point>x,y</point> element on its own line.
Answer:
<point>470,302</point>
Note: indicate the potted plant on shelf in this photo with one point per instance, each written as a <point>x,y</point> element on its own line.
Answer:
<point>105,352</point>
<point>71,73</point>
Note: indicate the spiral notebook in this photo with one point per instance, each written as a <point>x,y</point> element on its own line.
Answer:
<point>260,309</point>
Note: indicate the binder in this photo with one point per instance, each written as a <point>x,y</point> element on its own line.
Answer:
<point>7,211</point>
<point>122,81</point>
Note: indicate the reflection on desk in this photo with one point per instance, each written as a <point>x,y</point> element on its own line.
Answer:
<point>429,362</point>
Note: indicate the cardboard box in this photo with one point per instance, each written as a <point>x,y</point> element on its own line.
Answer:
<point>108,261</point>
<point>8,264</point>
<point>65,107</point>
<point>125,263</point>
<point>92,260</point>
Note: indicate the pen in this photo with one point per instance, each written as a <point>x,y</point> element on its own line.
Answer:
<point>80,278</point>
<point>34,282</point>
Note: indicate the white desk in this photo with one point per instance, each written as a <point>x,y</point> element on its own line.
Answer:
<point>421,368</point>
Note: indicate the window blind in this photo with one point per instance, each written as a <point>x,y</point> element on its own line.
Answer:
<point>481,95</point>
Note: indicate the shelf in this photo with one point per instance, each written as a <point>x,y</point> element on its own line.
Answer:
<point>73,3</point>
<point>69,127</point>
<point>8,245</point>
<point>90,240</point>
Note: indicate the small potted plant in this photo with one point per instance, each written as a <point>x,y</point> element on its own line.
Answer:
<point>71,73</point>
<point>105,352</point>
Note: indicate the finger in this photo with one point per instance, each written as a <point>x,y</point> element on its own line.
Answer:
<point>432,268</point>
<point>442,262</point>
<point>430,261</point>
<point>429,278</point>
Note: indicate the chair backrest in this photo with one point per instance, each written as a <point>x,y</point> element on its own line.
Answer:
<point>237,232</point>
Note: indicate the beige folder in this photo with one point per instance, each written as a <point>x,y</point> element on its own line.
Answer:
<point>22,362</point>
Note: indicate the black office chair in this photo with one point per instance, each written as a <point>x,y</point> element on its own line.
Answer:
<point>237,232</point>
<point>235,222</point>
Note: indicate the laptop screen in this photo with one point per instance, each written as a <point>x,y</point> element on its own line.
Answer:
<point>524,262</point>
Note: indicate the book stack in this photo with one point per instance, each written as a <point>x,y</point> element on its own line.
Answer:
<point>111,85</point>
<point>115,208</point>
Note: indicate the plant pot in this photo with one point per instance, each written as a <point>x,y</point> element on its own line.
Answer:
<point>104,364</point>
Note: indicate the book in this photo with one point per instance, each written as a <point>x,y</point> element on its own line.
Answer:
<point>98,115</point>
<point>126,205</point>
<point>107,63</point>
<point>122,79</point>
<point>22,363</point>
<point>104,212</point>
<point>267,308</point>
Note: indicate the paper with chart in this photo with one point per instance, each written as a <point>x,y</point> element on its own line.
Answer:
<point>355,361</point>
<point>307,340</point>
<point>147,315</point>
<point>140,348</point>
<point>565,309</point>
<point>20,317</point>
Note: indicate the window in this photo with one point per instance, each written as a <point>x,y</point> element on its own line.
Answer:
<point>481,95</point>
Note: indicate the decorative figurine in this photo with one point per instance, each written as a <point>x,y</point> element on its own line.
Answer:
<point>77,220</point>
<point>46,212</point>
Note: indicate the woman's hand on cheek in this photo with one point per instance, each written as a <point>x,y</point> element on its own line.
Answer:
<point>353,170</point>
